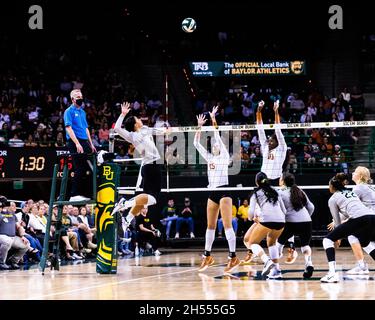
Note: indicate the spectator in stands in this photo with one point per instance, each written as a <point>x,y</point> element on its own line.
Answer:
<point>146,232</point>
<point>297,104</point>
<point>60,140</point>
<point>104,133</point>
<point>15,141</point>
<point>243,218</point>
<point>69,236</point>
<point>11,237</point>
<point>169,214</point>
<point>220,225</point>
<point>185,216</point>
<point>78,141</point>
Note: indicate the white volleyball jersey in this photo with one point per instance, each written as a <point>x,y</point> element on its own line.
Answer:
<point>366,193</point>
<point>142,140</point>
<point>346,204</point>
<point>272,163</point>
<point>217,166</point>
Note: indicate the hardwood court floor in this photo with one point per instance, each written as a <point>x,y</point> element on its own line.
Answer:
<point>174,276</point>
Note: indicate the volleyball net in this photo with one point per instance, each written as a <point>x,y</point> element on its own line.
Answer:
<point>316,150</point>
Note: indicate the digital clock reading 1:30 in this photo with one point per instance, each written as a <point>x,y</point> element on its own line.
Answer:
<point>32,163</point>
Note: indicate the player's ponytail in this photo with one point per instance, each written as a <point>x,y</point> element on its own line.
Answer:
<point>297,196</point>
<point>264,185</point>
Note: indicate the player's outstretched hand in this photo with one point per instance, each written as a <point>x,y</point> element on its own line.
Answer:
<point>260,105</point>
<point>213,112</point>
<point>276,105</point>
<point>201,120</point>
<point>125,108</point>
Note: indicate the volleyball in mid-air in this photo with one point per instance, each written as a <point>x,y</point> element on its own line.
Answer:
<point>189,25</point>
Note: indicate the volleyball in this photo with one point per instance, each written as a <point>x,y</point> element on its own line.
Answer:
<point>189,25</point>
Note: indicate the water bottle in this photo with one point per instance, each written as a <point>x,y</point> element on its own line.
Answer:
<point>136,251</point>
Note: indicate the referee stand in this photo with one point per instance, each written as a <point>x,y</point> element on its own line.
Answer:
<point>104,196</point>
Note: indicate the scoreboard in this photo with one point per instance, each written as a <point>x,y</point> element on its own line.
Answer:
<point>17,163</point>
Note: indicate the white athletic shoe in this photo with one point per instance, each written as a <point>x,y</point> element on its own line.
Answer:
<point>267,267</point>
<point>118,206</point>
<point>275,274</point>
<point>357,270</point>
<point>330,278</point>
<point>76,256</point>
<point>157,253</point>
<point>177,236</point>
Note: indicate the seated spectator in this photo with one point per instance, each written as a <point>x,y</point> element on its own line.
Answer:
<point>326,156</point>
<point>169,215</point>
<point>104,133</point>
<point>44,141</point>
<point>185,216</point>
<point>297,104</point>
<point>69,235</point>
<point>11,237</point>
<point>60,140</point>
<point>220,225</point>
<point>84,225</point>
<point>16,142</point>
<point>146,232</point>
<point>243,218</point>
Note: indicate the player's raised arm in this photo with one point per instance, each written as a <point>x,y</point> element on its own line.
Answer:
<point>223,148</point>
<point>203,152</point>
<point>125,108</point>
<point>261,132</point>
<point>279,134</point>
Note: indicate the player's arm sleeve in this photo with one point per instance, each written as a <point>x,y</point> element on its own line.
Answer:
<point>202,151</point>
<point>335,212</point>
<point>122,132</point>
<point>282,205</point>
<point>223,147</point>
<point>358,191</point>
<point>309,206</point>
<point>68,119</point>
<point>280,138</point>
<point>252,206</point>
<point>262,137</point>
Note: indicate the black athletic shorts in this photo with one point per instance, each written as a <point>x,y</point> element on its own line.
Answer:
<point>151,179</point>
<point>216,196</point>
<point>362,228</point>
<point>273,225</point>
<point>274,182</point>
<point>301,229</point>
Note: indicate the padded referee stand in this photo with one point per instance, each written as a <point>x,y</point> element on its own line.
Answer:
<point>54,259</point>
<point>105,223</point>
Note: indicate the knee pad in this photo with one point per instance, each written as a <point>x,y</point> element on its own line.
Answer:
<point>328,243</point>
<point>370,247</point>
<point>353,240</point>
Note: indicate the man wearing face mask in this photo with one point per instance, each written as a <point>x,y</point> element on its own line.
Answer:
<point>78,141</point>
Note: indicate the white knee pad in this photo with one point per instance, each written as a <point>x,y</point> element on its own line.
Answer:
<point>257,249</point>
<point>328,243</point>
<point>274,252</point>
<point>306,249</point>
<point>151,200</point>
<point>370,247</point>
<point>353,240</point>
<point>229,234</point>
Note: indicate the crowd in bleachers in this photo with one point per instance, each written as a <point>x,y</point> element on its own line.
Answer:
<point>77,236</point>
<point>31,108</point>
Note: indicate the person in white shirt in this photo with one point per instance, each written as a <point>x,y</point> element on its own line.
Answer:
<point>141,138</point>
<point>217,170</point>
<point>297,220</point>
<point>269,223</point>
<point>274,150</point>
